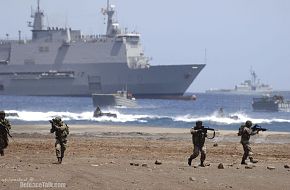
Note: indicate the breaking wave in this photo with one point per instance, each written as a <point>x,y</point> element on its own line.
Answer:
<point>232,118</point>
<point>84,116</point>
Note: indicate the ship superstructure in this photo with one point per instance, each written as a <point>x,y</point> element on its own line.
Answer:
<point>64,62</point>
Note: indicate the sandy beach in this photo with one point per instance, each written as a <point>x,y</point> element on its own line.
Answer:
<point>119,157</point>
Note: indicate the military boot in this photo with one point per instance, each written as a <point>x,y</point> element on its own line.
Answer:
<point>202,164</point>
<point>253,161</point>
<point>59,160</point>
<point>189,161</point>
<point>243,162</point>
<point>1,152</point>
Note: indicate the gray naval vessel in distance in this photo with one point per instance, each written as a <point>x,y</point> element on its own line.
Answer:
<point>63,62</point>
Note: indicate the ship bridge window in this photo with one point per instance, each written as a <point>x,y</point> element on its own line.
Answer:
<point>119,39</point>
<point>134,39</point>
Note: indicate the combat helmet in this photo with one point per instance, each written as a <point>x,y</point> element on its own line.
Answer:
<point>198,123</point>
<point>249,123</point>
<point>2,113</point>
<point>57,119</point>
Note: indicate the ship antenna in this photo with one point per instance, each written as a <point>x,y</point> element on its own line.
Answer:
<point>254,76</point>
<point>31,10</point>
<point>38,7</point>
<point>47,20</point>
<point>205,56</point>
<point>66,21</point>
<point>108,5</point>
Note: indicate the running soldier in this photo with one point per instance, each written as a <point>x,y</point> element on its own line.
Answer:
<point>246,132</point>
<point>61,131</point>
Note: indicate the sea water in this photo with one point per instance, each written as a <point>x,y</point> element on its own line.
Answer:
<point>150,112</point>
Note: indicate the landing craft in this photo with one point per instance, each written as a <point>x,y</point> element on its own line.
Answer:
<point>270,103</point>
<point>121,98</point>
<point>64,62</point>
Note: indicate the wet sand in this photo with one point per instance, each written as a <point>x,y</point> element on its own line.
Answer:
<point>118,157</point>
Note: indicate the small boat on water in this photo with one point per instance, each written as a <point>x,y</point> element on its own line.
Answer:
<point>99,113</point>
<point>121,98</point>
<point>270,103</point>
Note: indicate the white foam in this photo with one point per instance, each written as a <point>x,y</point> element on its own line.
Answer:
<point>142,118</point>
<point>215,118</point>
<point>66,116</point>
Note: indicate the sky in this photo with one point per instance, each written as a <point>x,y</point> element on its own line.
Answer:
<point>237,34</point>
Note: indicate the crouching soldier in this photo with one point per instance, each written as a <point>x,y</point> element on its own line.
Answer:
<point>4,132</point>
<point>61,131</point>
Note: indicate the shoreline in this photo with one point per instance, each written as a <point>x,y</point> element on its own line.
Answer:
<point>114,131</point>
<point>122,128</point>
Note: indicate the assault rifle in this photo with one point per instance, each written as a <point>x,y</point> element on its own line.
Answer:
<point>6,129</point>
<point>205,129</point>
<point>258,128</point>
<point>53,125</point>
<point>52,121</point>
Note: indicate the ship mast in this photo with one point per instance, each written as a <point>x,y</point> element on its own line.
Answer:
<point>205,56</point>
<point>254,77</point>
<point>112,26</point>
<point>38,2</point>
<point>38,18</point>
<point>108,4</point>
<point>37,21</point>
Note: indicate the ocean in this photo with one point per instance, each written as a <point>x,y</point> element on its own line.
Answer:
<point>150,112</point>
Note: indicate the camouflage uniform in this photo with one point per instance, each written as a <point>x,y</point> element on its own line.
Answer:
<point>246,132</point>
<point>4,132</point>
<point>61,131</point>
<point>198,140</point>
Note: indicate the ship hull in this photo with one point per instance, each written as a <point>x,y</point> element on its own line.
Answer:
<point>274,103</point>
<point>112,100</point>
<point>86,79</point>
<point>265,106</point>
<point>235,92</point>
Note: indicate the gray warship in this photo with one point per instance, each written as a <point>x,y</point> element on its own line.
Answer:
<point>63,62</point>
<point>248,87</point>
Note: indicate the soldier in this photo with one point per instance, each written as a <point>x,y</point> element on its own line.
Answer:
<point>98,112</point>
<point>221,112</point>
<point>246,132</point>
<point>61,131</point>
<point>198,139</point>
<point>4,132</point>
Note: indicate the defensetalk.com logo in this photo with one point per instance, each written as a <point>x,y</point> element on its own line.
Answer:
<point>29,184</point>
